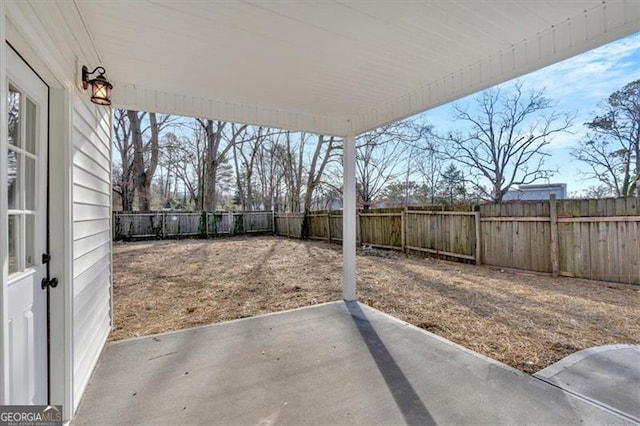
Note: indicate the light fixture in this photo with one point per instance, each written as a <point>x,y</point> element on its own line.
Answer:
<point>100,86</point>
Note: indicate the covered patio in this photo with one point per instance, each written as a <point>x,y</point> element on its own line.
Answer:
<point>336,68</point>
<point>336,363</point>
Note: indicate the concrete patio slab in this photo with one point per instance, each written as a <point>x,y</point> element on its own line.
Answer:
<point>607,374</point>
<point>336,363</point>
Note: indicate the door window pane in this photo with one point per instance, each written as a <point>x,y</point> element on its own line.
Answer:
<point>30,183</point>
<point>30,240</point>
<point>14,232</point>
<point>13,119</point>
<point>30,129</point>
<point>14,179</point>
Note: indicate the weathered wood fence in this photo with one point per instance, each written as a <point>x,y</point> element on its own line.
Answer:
<point>595,239</point>
<point>137,225</point>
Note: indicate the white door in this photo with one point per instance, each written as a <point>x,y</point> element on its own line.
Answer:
<point>27,109</point>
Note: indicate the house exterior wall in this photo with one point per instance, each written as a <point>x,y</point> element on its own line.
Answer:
<point>52,39</point>
<point>91,231</point>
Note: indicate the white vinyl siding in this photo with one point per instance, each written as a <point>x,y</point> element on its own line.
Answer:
<point>91,238</point>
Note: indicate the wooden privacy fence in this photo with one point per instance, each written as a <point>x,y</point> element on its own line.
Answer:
<point>135,225</point>
<point>325,226</point>
<point>452,234</point>
<point>595,239</point>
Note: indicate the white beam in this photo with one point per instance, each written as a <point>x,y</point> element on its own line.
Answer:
<point>131,96</point>
<point>349,220</point>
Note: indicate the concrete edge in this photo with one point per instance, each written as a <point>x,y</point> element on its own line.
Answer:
<point>335,302</point>
<point>200,327</point>
<point>574,358</point>
<point>577,395</point>
<point>448,342</point>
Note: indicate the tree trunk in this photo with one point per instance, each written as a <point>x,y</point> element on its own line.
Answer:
<point>153,161</point>
<point>211,196</point>
<point>142,177</point>
<point>306,225</point>
<point>138,160</point>
<point>239,179</point>
<point>125,185</point>
<point>212,163</point>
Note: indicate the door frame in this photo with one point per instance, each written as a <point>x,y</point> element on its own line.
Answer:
<point>39,268</point>
<point>18,31</point>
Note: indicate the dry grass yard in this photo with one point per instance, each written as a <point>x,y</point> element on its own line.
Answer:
<point>524,320</point>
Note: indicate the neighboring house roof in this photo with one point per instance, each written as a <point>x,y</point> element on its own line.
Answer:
<point>536,192</point>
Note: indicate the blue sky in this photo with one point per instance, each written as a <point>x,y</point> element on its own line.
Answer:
<point>576,85</point>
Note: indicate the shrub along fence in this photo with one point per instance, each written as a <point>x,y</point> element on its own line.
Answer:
<point>595,239</point>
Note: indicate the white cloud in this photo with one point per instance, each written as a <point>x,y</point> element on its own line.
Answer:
<point>592,76</point>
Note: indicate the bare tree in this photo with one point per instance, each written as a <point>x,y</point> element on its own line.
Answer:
<point>322,154</point>
<point>168,163</point>
<point>506,140</point>
<point>429,161</point>
<point>145,154</point>
<point>212,160</point>
<point>123,178</point>
<point>611,147</point>
<point>293,168</point>
<point>218,146</point>
<point>597,191</point>
<point>304,166</point>
<point>246,155</point>
<point>270,172</point>
<point>191,168</point>
<point>380,155</point>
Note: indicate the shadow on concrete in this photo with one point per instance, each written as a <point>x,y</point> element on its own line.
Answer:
<point>411,406</point>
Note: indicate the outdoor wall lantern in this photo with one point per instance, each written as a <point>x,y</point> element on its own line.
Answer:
<point>100,86</point>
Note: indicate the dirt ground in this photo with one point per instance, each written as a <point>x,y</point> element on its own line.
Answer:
<point>525,320</point>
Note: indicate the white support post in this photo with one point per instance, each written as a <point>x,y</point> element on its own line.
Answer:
<point>349,220</point>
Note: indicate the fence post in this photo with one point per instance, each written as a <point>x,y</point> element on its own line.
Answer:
<point>478,237</point>
<point>244,222</point>
<point>164,221</point>
<point>358,230</point>
<point>555,258</point>
<point>232,221</point>
<point>288,227</point>
<point>329,226</point>
<point>206,224</point>
<point>273,222</point>
<point>403,229</point>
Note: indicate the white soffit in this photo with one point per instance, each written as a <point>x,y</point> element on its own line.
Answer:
<point>334,67</point>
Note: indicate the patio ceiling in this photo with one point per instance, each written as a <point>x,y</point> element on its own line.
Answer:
<point>334,67</point>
